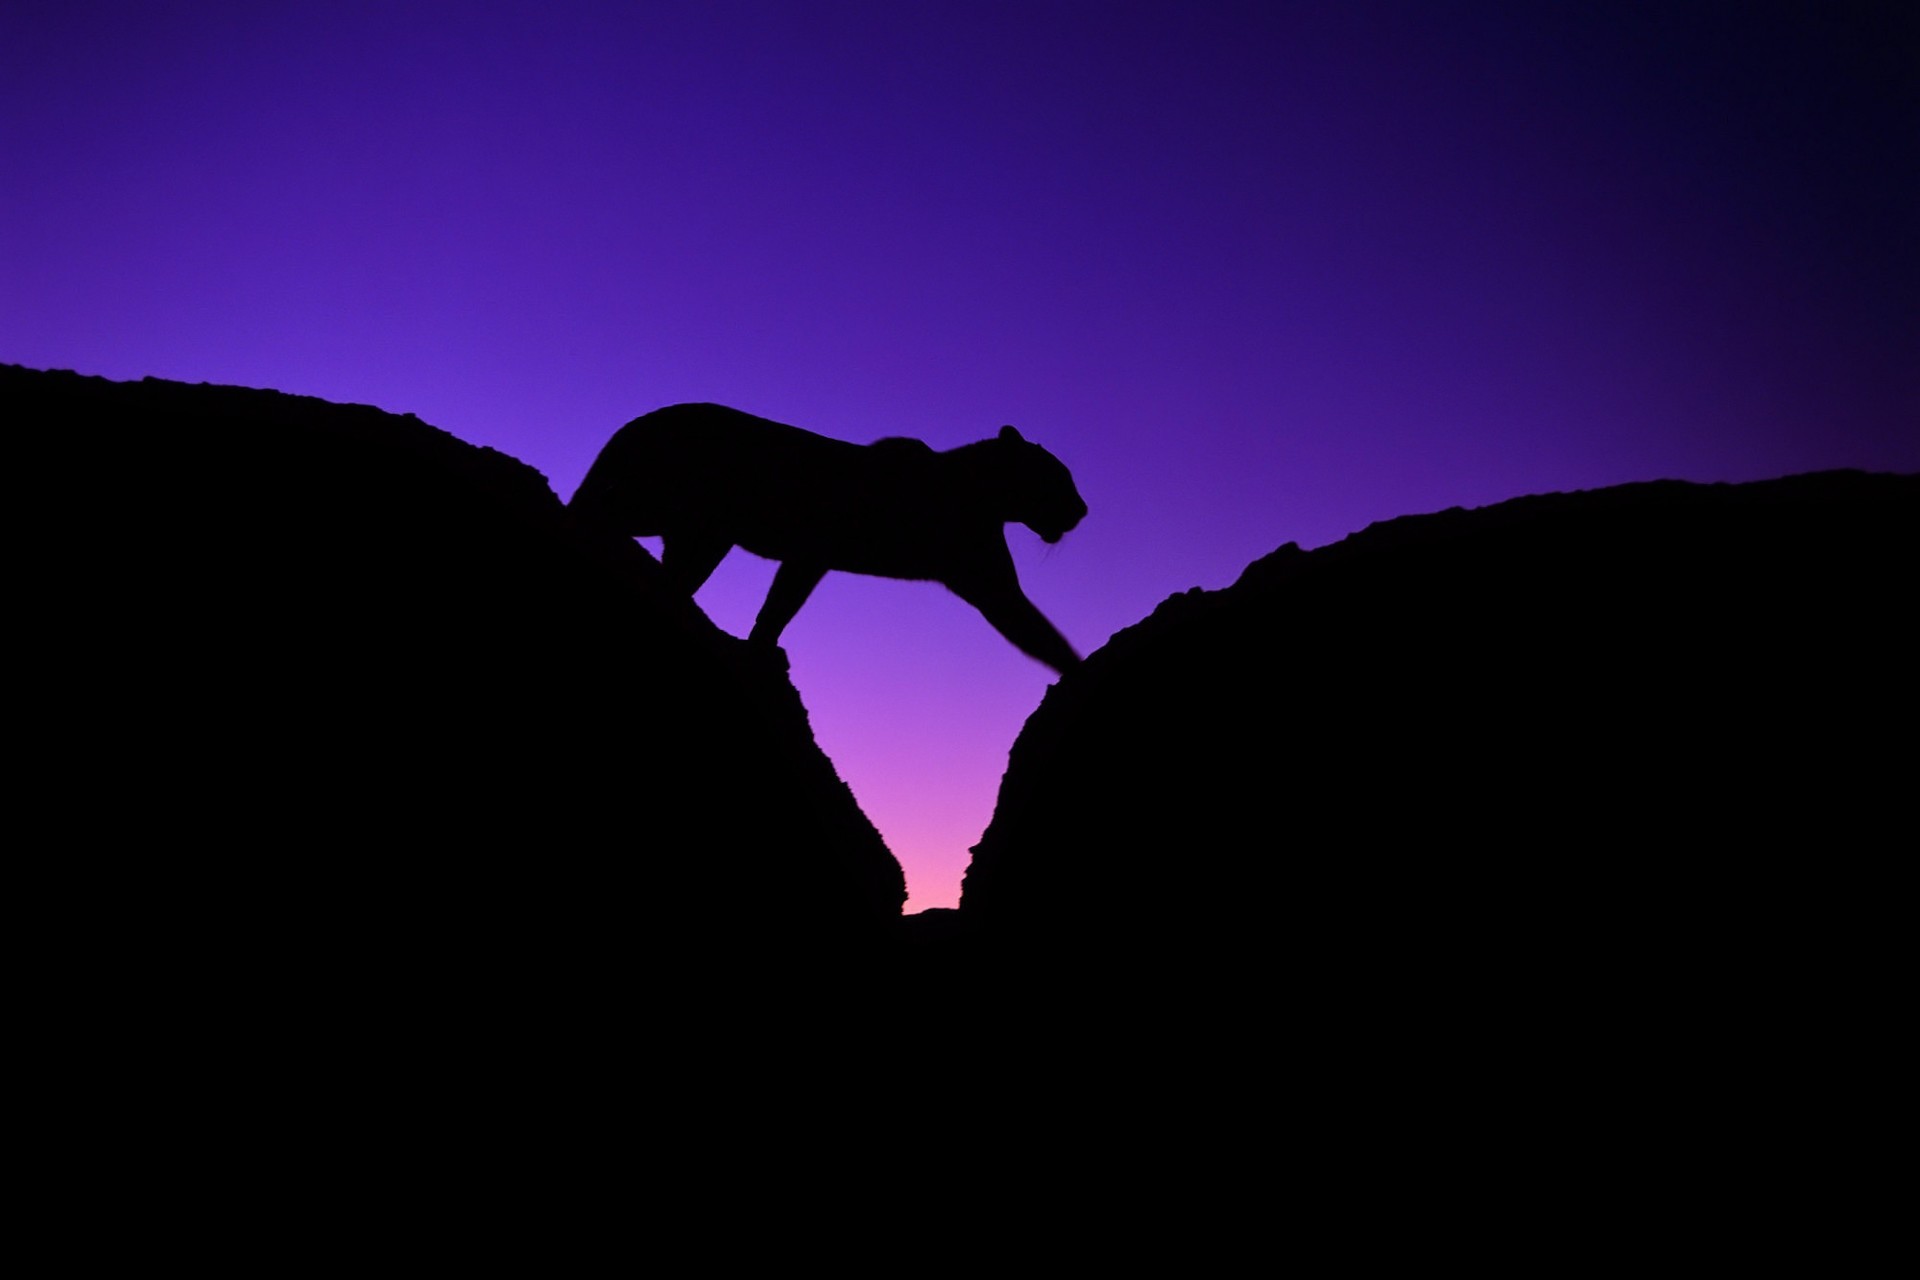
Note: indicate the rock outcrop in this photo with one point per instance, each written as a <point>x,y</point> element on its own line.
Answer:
<point>1494,865</point>
<point>1615,722</point>
<point>326,705</point>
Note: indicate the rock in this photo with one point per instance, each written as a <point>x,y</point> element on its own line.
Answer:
<point>1598,728</point>
<point>330,711</point>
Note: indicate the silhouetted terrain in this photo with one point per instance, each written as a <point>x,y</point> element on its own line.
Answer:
<point>1530,875</point>
<point>1542,711</point>
<point>328,709</point>
<point>340,732</point>
<point>1579,820</point>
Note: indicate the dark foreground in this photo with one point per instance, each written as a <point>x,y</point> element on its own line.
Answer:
<point>1565,835</point>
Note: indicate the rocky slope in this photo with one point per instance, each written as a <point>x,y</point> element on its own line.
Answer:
<point>1499,865</point>
<point>1646,748</point>
<point>325,703</point>
<point>1647,692</point>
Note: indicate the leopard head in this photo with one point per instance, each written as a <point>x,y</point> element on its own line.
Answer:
<point>1037,486</point>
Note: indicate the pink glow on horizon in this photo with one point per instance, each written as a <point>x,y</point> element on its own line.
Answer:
<point>1258,273</point>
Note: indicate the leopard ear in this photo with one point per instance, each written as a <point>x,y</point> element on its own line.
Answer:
<point>1008,433</point>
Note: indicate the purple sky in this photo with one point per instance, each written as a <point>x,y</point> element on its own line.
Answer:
<point>1257,272</point>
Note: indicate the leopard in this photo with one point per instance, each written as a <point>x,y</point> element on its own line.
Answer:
<point>705,478</point>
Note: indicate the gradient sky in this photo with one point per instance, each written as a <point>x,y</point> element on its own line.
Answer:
<point>1258,272</point>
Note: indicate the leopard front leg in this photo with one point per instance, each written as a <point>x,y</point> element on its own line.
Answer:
<point>994,589</point>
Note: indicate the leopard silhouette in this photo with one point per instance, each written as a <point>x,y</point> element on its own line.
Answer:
<point>705,479</point>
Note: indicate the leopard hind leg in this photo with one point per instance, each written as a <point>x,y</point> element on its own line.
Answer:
<point>691,558</point>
